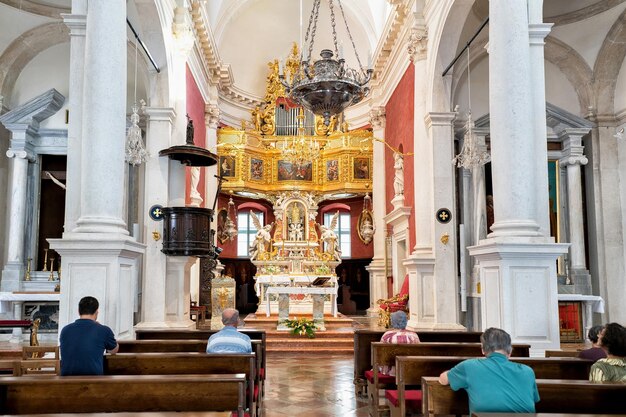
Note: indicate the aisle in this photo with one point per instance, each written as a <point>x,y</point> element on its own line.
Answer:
<point>311,386</point>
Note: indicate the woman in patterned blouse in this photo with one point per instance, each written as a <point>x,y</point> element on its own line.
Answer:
<point>399,334</point>
<point>612,368</point>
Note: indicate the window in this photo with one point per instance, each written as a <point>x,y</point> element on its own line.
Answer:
<point>246,231</point>
<point>342,231</point>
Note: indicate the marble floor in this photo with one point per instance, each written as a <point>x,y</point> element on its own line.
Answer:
<point>311,386</point>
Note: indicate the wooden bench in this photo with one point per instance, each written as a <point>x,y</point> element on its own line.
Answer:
<point>363,339</point>
<point>557,396</point>
<point>177,345</point>
<point>384,354</point>
<point>132,393</point>
<point>562,353</point>
<point>411,369</point>
<point>187,363</point>
<point>204,334</point>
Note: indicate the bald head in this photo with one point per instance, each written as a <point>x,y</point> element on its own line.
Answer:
<point>230,317</point>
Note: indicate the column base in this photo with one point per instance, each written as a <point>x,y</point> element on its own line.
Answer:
<point>12,276</point>
<point>378,284</point>
<point>104,267</point>
<point>519,289</point>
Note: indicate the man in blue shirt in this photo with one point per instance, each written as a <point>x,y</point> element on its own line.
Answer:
<point>83,342</point>
<point>229,340</point>
<point>493,383</point>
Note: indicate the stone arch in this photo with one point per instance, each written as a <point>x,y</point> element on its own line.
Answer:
<point>37,8</point>
<point>575,69</point>
<point>23,49</point>
<point>607,66</point>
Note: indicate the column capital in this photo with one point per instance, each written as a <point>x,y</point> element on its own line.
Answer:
<point>573,149</point>
<point>378,117</point>
<point>20,154</point>
<point>439,119</point>
<point>212,115</point>
<point>77,23</point>
<point>537,32</point>
<point>160,114</point>
<point>417,44</point>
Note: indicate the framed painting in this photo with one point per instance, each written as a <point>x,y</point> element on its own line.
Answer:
<point>362,168</point>
<point>48,312</point>
<point>227,166</point>
<point>332,170</point>
<point>295,172</point>
<point>256,169</point>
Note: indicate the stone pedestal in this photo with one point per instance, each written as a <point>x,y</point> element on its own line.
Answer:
<point>378,284</point>
<point>105,268</point>
<point>222,297</point>
<point>177,291</point>
<point>519,290</point>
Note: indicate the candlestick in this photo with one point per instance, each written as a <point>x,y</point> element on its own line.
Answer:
<point>45,260</point>
<point>27,276</point>
<point>51,278</point>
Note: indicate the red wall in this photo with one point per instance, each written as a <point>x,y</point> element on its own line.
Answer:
<point>399,131</point>
<point>195,110</point>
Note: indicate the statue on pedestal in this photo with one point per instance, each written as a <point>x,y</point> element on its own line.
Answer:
<point>330,238</point>
<point>398,179</point>
<point>262,239</point>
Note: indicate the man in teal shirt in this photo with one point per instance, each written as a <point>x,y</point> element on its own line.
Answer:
<point>493,383</point>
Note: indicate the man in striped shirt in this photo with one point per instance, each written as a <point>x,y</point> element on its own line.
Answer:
<point>229,340</point>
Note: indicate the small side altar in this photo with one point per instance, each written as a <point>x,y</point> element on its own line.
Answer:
<point>290,253</point>
<point>316,293</point>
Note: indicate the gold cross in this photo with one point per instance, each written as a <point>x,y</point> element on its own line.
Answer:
<point>157,212</point>
<point>443,215</point>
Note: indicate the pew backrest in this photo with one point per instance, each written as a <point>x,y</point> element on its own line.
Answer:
<point>557,396</point>
<point>136,393</point>
<point>154,346</point>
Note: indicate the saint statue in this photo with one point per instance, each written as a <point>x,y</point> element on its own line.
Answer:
<point>330,238</point>
<point>195,196</point>
<point>398,179</point>
<point>190,129</point>
<point>262,239</point>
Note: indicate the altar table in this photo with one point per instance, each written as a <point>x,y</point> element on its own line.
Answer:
<point>317,293</point>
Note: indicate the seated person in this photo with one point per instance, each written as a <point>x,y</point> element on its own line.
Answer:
<point>595,352</point>
<point>229,340</point>
<point>398,334</point>
<point>612,368</point>
<point>493,383</point>
<point>83,342</point>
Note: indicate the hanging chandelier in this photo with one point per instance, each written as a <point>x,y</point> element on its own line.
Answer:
<point>301,149</point>
<point>327,87</point>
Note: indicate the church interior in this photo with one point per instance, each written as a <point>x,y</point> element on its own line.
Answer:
<point>328,161</point>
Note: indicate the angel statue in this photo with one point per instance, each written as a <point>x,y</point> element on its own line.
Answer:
<point>262,240</point>
<point>330,238</point>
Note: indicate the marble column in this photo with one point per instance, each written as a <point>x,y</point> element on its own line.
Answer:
<point>159,127</point>
<point>99,258</point>
<point>14,269</point>
<point>377,268</point>
<point>517,262</point>
<point>76,22</point>
<point>573,159</point>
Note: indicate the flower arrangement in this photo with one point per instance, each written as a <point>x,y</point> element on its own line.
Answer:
<point>302,327</point>
<point>323,270</point>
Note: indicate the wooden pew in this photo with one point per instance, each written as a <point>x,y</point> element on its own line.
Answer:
<point>411,369</point>
<point>132,393</point>
<point>384,354</point>
<point>562,353</point>
<point>204,334</point>
<point>186,364</point>
<point>363,339</point>
<point>194,345</point>
<point>557,396</point>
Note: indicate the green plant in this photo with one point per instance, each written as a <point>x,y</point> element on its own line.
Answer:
<point>302,327</point>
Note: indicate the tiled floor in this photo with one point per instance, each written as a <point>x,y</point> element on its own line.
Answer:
<point>311,386</point>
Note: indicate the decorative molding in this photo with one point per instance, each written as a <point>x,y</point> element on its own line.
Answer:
<point>417,45</point>
<point>77,23</point>
<point>36,8</point>
<point>34,111</point>
<point>212,115</point>
<point>378,117</point>
<point>160,114</point>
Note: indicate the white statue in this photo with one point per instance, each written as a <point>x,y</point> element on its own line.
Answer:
<point>194,195</point>
<point>295,232</point>
<point>262,238</point>
<point>398,179</point>
<point>367,230</point>
<point>330,238</point>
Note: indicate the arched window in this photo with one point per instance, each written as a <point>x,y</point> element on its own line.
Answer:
<point>246,231</point>
<point>342,230</point>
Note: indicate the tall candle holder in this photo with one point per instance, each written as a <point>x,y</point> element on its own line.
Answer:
<point>45,260</point>
<point>51,278</point>
<point>27,275</point>
<point>57,288</point>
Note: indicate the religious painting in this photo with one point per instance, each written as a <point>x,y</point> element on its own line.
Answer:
<point>332,170</point>
<point>227,166</point>
<point>361,168</point>
<point>295,172</point>
<point>47,312</point>
<point>256,169</point>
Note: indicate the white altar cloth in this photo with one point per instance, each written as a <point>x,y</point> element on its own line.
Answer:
<point>7,298</point>
<point>332,291</point>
